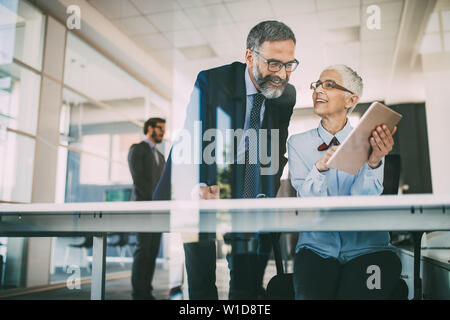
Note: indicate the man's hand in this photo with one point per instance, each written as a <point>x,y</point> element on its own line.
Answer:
<point>382,143</point>
<point>321,165</point>
<point>205,192</point>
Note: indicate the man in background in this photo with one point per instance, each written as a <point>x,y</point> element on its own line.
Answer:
<point>146,164</point>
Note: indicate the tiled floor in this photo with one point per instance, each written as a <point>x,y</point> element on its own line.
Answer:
<point>120,289</point>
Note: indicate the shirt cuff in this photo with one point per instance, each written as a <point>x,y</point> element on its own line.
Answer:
<point>195,190</point>
<point>315,174</point>
<point>378,171</point>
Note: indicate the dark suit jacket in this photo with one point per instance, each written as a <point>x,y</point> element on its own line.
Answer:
<point>144,170</point>
<point>224,88</point>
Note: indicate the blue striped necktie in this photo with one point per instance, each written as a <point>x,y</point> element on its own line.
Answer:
<point>252,168</point>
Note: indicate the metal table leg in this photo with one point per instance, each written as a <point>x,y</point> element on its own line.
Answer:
<point>98,268</point>
<point>417,240</point>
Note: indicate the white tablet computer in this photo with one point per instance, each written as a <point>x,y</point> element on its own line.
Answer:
<point>354,150</point>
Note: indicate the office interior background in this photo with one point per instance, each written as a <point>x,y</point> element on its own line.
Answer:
<point>73,101</point>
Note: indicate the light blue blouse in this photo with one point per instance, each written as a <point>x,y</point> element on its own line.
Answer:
<point>309,182</point>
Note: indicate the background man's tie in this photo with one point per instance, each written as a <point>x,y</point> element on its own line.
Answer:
<point>155,153</point>
<point>252,170</point>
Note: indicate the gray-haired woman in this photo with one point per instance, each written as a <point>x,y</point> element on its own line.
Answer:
<point>334,265</point>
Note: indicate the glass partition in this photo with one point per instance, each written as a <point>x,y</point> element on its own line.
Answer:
<point>19,97</point>
<point>22,29</point>
<point>98,140</point>
<point>16,167</point>
<point>95,76</point>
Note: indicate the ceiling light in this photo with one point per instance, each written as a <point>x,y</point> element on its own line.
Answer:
<point>198,52</point>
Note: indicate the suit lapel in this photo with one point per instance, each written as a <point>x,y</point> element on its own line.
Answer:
<point>240,106</point>
<point>239,97</point>
<point>161,160</point>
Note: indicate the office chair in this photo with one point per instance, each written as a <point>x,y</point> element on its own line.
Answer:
<point>84,246</point>
<point>122,245</point>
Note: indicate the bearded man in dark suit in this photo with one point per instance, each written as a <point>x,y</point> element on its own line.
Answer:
<point>253,102</point>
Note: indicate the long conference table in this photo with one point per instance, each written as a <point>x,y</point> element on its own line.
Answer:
<point>414,213</point>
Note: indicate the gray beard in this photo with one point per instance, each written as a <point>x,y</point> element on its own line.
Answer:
<point>267,90</point>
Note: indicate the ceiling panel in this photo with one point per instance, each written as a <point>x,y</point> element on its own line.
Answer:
<point>341,18</point>
<point>303,24</point>
<point>221,33</point>
<point>290,7</point>
<point>168,56</point>
<point>325,5</point>
<point>135,26</point>
<point>197,3</point>
<point>171,21</point>
<point>198,52</point>
<point>244,27</point>
<point>154,42</point>
<point>369,2</point>
<point>230,49</point>
<point>113,9</point>
<point>209,15</point>
<point>250,10</point>
<point>342,35</point>
<point>148,7</point>
<point>185,38</point>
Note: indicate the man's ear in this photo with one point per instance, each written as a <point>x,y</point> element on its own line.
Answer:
<point>249,57</point>
<point>149,130</point>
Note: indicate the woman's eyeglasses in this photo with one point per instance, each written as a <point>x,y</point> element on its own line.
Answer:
<point>328,85</point>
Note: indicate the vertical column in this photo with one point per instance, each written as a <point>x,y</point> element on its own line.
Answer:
<point>98,268</point>
<point>436,69</point>
<point>46,152</point>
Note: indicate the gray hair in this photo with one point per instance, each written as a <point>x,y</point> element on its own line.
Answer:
<point>350,80</point>
<point>268,31</point>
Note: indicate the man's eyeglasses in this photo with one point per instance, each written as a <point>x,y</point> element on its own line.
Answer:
<point>275,65</point>
<point>328,85</point>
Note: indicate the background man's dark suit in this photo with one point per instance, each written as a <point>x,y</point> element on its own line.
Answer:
<point>146,173</point>
<point>224,87</point>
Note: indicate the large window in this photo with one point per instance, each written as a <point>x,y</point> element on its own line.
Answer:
<point>437,33</point>
<point>21,49</point>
